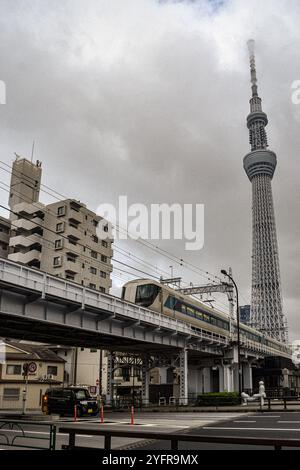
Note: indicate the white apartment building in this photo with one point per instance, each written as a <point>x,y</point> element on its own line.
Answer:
<point>60,239</point>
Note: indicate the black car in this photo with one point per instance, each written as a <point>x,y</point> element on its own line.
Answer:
<point>62,401</point>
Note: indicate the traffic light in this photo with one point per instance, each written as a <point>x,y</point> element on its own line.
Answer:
<point>25,370</point>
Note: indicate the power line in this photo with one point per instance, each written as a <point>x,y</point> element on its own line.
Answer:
<point>183,263</point>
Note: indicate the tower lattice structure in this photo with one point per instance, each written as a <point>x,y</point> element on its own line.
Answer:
<point>266,303</point>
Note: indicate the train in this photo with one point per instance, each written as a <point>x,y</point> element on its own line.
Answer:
<point>161,298</point>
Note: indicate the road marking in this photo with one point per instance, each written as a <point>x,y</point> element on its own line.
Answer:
<point>251,429</point>
<point>244,421</point>
<point>263,416</point>
<point>289,422</point>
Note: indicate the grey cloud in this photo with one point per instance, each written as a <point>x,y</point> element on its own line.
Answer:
<point>149,99</point>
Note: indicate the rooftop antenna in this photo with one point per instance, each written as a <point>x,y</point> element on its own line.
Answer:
<point>251,49</point>
<point>32,150</point>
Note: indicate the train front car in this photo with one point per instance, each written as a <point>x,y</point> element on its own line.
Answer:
<point>143,292</point>
<point>162,299</point>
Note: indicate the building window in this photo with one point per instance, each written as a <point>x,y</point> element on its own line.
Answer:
<point>60,227</point>
<point>93,350</point>
<point>92,286</point>
<point>104,243</point>
<point>95,223</point>
<point>104,258</point>
<point>61,211</point>
<point>94,254</point>
<point>102,289</point>
<point>105,228</point>
<point>103,274</point>
<point>57,261</point>
<point>11,394</point>
<point>70,277</point>
<point>95,238</point>
<point>52,370</point>
<point>93,270</point>
<point>58,244</point>
<point>14,369</point>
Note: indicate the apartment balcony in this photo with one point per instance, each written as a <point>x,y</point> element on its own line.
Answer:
<point>28,224</point>
<point>72,267</point>
<point>4,237</point>
<point>30,257</point>
<point>72,232</point>
<point>29,208</point>
<point>25,241</point>
<point>75,216</point>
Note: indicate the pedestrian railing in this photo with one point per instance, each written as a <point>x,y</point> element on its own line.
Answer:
<point>285,403</point>
<point>17,433</point>
<point>173,439</point>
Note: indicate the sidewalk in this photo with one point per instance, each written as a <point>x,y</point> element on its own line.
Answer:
<point>276,405</point>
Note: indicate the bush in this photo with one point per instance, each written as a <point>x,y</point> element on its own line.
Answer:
<point>218,399</point>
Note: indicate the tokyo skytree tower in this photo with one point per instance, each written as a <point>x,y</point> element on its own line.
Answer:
<point>266,303</point>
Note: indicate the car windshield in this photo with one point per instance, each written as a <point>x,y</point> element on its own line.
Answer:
<point>82,394</point>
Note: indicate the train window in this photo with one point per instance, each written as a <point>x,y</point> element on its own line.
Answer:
<point>190,311</point>
<point>213,321</point>
<point>170,302</point>
<point>199,315</point>
<point>206,318</point>
<point>183,308</point>
<point>146,294</point>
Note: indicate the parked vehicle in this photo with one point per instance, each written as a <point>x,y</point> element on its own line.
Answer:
<point>62,401</point>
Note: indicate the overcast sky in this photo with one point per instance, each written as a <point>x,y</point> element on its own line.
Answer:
<point>149,99</point>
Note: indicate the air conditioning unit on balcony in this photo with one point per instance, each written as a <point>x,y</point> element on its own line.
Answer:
<point>47,377</point>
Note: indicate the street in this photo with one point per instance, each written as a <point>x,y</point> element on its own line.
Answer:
<point>160,422</point>
<point>276,425</point>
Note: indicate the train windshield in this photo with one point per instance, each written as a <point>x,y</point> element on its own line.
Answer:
<point>146,294</point>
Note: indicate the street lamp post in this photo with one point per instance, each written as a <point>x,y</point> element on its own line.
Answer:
<point>238,330</point>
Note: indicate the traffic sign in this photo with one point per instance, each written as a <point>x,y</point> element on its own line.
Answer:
<point>32,367</point>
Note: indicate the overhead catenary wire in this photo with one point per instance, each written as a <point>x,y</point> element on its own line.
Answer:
<point>116,248</point>
<point>180,261</point>
<point>211,277</point>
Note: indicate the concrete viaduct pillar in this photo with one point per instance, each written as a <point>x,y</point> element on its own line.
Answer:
<point>247,376</point>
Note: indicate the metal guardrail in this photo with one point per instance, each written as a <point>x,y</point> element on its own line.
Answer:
<point>12,431</point>
<point>173,439</point>
<point>283,402</point>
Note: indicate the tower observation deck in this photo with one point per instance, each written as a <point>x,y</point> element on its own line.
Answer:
<point>260,164</point>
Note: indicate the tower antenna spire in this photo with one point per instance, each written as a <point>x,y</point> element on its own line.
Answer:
<point>251,49</point>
